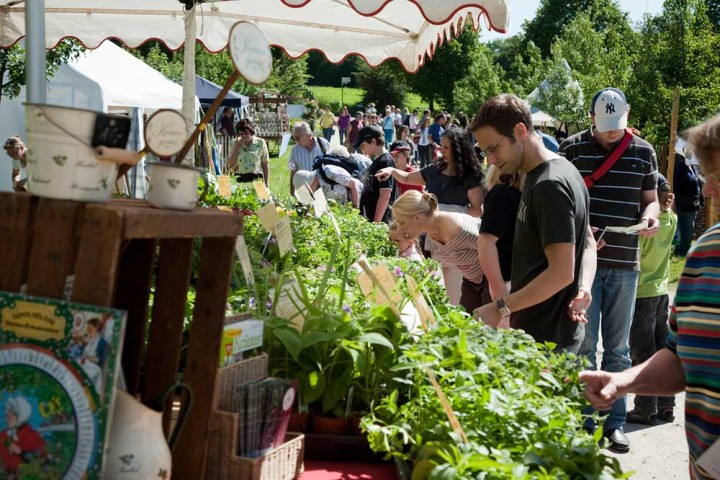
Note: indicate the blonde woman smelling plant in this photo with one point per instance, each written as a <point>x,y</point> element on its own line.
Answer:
<point>497,230</point>
<point>408,247</point>
<point>456,235</point>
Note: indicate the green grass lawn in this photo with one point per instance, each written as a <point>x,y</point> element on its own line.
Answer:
<point>353,96</point>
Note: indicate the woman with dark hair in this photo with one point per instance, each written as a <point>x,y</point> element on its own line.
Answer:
<point>456,181</point>
<point>249,158</point>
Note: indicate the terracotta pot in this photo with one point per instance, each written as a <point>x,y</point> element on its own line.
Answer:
<point>355,429</point>
<point>329,426</point>
<point>298,422</point>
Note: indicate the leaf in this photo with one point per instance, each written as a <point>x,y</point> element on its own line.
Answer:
<point>375,339</point>
<point>290,338</point>
<point>312,386</point>
<point>312,338</point>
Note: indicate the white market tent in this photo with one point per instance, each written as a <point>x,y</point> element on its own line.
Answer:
<point>105,79</point>
<point>542,119</point>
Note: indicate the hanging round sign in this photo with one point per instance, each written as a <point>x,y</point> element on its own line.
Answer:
<point>250,52</point>
<point>165,133</point>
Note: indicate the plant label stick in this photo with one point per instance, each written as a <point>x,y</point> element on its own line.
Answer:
<point>287,304</point>
<point>262,192</point>
<point>362,261</point>
<point>335,224</point>
<point>389,283</point>
<point>303,195</point>
<point>268,216</point>
<point>242,253</point>
<point>320,203</point>
<point>454,423</point>
<point>283,233</point>
<point>224,185</point>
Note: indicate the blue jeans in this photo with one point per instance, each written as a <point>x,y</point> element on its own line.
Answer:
<point>685,229</point>
<point>341,132</point>
<point>613,303</point>
<point>328,133</point>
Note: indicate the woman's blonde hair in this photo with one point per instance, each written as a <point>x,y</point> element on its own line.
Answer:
<point>494,177</point>
<point>413,202</point>
<point>704,141</point>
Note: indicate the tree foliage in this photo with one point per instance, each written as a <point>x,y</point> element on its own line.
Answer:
<point>323,72</point>
<point>482,82</point>
<point>384,84</point>
<point>12,64</point>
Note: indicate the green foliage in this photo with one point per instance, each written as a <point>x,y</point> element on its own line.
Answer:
<point>553,17</point>
<point>561,98</point>
<point>522,64</point>
<point>322,72</point>
<point>335,96</point>
<point>518,403</point>
<point>384,84</point>
<point>12,64</point>
<point>481,82</point>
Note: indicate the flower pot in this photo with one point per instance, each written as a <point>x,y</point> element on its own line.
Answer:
<point>329,425</point>
<point>298,422</point>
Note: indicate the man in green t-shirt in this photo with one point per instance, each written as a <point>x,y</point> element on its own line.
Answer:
<point>649,326</point>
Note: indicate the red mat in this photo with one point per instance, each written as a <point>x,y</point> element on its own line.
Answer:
<point>322,470</point>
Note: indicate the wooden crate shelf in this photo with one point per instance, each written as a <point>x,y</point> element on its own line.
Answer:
<point>111,250</point>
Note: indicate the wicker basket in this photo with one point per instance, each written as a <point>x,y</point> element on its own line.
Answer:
<point>222,463</point>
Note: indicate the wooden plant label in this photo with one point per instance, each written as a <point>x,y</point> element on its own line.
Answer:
<point>320,203</point>
<point>454,423</point>
<point>289,303</point>
<point>242,253</point>
<point>283,233</point>
<point>224,185</point>
<point>262,192</point>
<point>385,286</point>
<point>421,305</point>
<point>303,195</point>
<point>268,216</point>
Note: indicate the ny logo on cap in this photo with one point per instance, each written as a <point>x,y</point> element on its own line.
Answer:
<point>609,108</point>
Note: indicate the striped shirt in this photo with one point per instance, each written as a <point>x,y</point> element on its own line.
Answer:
<point>462,250</point>
<point>615,199</point>
<point>695,338</point>
<point>303,159</point>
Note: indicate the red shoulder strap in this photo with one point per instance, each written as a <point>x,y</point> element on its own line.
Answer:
<point>609,162</point>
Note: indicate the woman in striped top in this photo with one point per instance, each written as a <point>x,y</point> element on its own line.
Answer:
<point>456,235</point>
<point>691,361</point>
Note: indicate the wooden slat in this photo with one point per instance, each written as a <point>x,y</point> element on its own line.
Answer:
<point>133,293</point>
<point>51,246</point>
<point>168,315</point>
<point>203,350</point>
<point>202,222</point>
<point>98,254</point>
<point>15,238</point>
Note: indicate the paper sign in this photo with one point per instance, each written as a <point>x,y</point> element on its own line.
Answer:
<point>389,282</point>
<point>261,190</point>
<point>284,143</point>
<point>303,195</point>
<point>320,203</point>
<point>240,333</point>
<point>710,460</point>
<point>381,279</point>
<point>283,233</point>
<point>289,304</point>
<point>224,185</point>
<point>421,305</point>
<point>242,253</point>
<point>629,230</point>
<point>454,423</point>
<point>268,216</point>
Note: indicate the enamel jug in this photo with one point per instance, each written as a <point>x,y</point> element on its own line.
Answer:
<point>138,449</point>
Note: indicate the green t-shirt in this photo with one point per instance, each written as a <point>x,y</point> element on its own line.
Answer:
<point>655,258</point>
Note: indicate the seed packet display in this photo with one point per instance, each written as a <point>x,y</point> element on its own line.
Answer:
<point>59,363</point>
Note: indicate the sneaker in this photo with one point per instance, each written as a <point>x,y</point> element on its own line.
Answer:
<point>645,418</point>
<point>666,414</point>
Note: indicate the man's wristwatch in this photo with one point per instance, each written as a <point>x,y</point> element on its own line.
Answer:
<point>502,308</point>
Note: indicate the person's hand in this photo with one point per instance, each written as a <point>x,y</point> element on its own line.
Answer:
<point>668,202</point>
<point>504,323</point>
<point>577,309</point>
<point>601,388</point>
<point>652,229</point>
<point>384,173</point>
<point>599,243</point>
<point>14,449</point>
<point>488,314</point>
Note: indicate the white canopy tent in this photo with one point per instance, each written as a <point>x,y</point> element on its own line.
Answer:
<point>542,119</point>
<point>105,79</point>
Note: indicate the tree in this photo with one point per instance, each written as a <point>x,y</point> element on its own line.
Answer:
<point>713,13</point>
<point>482,82</point>
<point>561,96</point>
<point>12,64</point>
<point>436,80</point>
<point>323,72</point>
<point>384,84</point>
<point>553,16</point>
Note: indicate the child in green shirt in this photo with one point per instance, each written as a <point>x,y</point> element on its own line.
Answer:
<point>649,326</point>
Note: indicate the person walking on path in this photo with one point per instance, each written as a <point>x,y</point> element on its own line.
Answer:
<point>691,359</point>
<point>620,171</point>
<point>553,253</point>
<point>344,120</point>
<point>648,333</point>
<point>327,122</point>
<point>688,201</point>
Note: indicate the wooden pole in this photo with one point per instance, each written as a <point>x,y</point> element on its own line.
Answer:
<point>673,136</point>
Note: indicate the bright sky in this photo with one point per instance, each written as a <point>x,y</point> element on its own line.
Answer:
<point>521,10</point>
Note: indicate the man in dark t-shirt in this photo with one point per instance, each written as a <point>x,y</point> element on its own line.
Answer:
<point>553,252</point>
<point>378,195</point>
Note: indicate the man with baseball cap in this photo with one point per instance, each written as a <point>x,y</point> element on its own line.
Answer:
<point>620,172</point>
<point>378,195</point>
